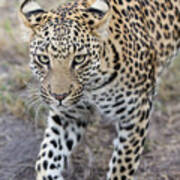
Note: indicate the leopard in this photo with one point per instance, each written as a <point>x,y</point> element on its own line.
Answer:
<point>102,54</point>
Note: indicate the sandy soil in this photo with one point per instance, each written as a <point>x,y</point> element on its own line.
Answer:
<point>19,144</point>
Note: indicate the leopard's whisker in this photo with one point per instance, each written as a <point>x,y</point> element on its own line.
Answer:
<point>37,110</point>
<point>33,102</point>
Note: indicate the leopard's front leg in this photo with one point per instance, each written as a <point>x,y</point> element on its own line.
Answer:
<point>129,144</point>
<point>60,139</point>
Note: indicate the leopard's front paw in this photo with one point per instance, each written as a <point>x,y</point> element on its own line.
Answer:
<point>41,176</point>
<point>46,172</point>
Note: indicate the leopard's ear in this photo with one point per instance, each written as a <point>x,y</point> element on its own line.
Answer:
<point>32,14</point>
<point>101,8</point>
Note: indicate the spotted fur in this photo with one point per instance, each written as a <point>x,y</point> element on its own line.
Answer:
<point>107,54</point>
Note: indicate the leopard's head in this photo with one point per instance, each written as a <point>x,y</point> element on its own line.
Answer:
<point>66,47</point>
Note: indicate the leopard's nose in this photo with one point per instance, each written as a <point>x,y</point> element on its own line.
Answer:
<point>59,97</point>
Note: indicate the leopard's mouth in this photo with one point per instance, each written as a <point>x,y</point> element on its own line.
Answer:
<point>72,98</point>
<point>66,99</point>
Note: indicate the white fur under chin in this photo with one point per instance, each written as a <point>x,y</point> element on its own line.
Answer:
<point>31,6</point>
<point>100,5</point>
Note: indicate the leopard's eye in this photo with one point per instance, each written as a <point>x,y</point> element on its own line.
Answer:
<point>78,60</point>
<point>43,59</point>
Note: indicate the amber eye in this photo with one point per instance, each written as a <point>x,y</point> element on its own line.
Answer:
<point>78,60</point>
<point>43,59</point>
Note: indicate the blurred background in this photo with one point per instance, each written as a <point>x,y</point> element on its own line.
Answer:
<point>22,122</point>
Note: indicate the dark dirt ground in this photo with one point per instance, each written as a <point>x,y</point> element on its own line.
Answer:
<point>21,129</point>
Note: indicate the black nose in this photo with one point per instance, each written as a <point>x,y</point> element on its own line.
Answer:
<point>59,97</point>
